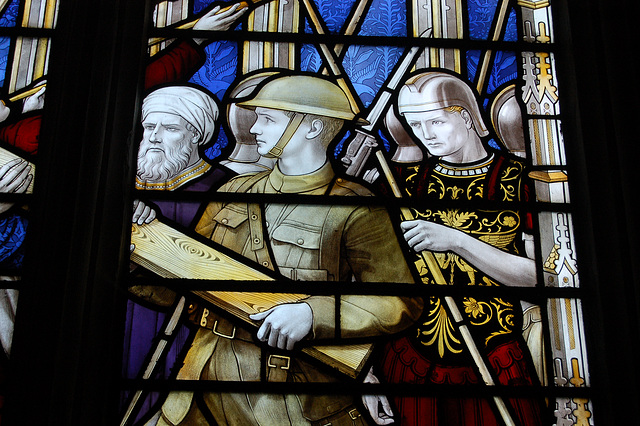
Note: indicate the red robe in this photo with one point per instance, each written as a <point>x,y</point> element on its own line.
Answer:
<point>435,354</point>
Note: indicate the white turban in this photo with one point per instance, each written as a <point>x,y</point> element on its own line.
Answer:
<point>194,106</point>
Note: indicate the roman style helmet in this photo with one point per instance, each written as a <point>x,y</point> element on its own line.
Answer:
<point>506,117</point>
<point>435,90</point>
<point>301,95</point>
<point>241,119</point>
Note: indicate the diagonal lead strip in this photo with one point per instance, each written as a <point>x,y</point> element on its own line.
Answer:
<point>353,25</point>
<point>485,58</point>
<point>331,59</point>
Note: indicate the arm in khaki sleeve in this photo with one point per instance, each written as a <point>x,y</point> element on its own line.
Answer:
<point>373,253</point>
<point>206,224</point>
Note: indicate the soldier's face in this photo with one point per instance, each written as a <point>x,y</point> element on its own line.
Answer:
<point>445,134</point>
<point>269,126</point>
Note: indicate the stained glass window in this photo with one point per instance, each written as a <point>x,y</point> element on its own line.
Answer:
<point>317,212</point>
<point>337,199</point>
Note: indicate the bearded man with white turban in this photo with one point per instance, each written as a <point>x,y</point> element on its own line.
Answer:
<point>177,121</point>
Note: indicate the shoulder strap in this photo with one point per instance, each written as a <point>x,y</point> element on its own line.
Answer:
<point>249,181</point>
<point>330,241</point>
<point>421,181</point>
<point>492,184</point>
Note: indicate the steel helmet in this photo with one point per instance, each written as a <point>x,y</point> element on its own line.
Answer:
<point>303,94</point>
<point>435,90</point>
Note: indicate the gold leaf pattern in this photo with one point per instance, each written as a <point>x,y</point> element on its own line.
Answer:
<point>440,328</point>
<point>489,317</point>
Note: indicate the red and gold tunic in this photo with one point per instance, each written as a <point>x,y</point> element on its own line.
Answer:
<point>456,196</point>
<point>486,200</point>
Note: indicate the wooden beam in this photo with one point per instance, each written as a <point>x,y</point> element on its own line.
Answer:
<point>172,254</point>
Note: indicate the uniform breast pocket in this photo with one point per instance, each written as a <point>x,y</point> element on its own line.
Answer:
<point>232,215</point>
<point>229,227</point>
<point>297,247</point>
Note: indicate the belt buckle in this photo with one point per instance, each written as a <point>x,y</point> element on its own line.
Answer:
<point>226,336</point>
<point>283,357</point>
<point>354,414</point>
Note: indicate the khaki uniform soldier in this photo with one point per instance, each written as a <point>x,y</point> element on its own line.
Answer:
<point>297,117</point>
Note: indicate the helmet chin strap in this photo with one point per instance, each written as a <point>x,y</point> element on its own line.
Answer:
<point>292,127</point>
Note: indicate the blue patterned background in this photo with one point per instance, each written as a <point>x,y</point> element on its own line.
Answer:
<point>366,66</point>
<point>8,19</point>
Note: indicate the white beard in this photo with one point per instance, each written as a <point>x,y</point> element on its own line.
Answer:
<point>158,166</point>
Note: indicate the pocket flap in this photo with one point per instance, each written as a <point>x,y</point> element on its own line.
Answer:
<point>298,235</point>
<point>232,215</point>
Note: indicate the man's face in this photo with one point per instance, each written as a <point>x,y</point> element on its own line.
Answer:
<point>445,134</point>
<point>166,147</point>
<point>269,126</point>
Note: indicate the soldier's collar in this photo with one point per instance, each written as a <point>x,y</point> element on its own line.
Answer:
<point>301,183</point>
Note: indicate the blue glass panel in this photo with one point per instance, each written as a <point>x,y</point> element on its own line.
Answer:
<point>511,32</point>
<point>386,18</point>
<point>200,5</point>
<point>219,70</point>
<point>473,57</point>
<point>368,68</point>
<point>310,59</point>
<point>334,13</point>
<point>505,68</point>
<point>9,15</point>
<point>220,144</point>
<point>13,227</point>
<point>216,75</point>
<point>5,44</point>
<point>481,14</point>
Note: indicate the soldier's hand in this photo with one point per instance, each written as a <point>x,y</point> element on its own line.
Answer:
<point>284,325</point>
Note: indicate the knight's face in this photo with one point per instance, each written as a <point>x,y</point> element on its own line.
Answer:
<point>268,129</point>
<point>445,134</point>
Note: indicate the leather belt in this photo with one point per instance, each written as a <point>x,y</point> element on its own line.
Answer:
<point>277,366</point>
<point>348,416</point>
<point>218,325</point>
